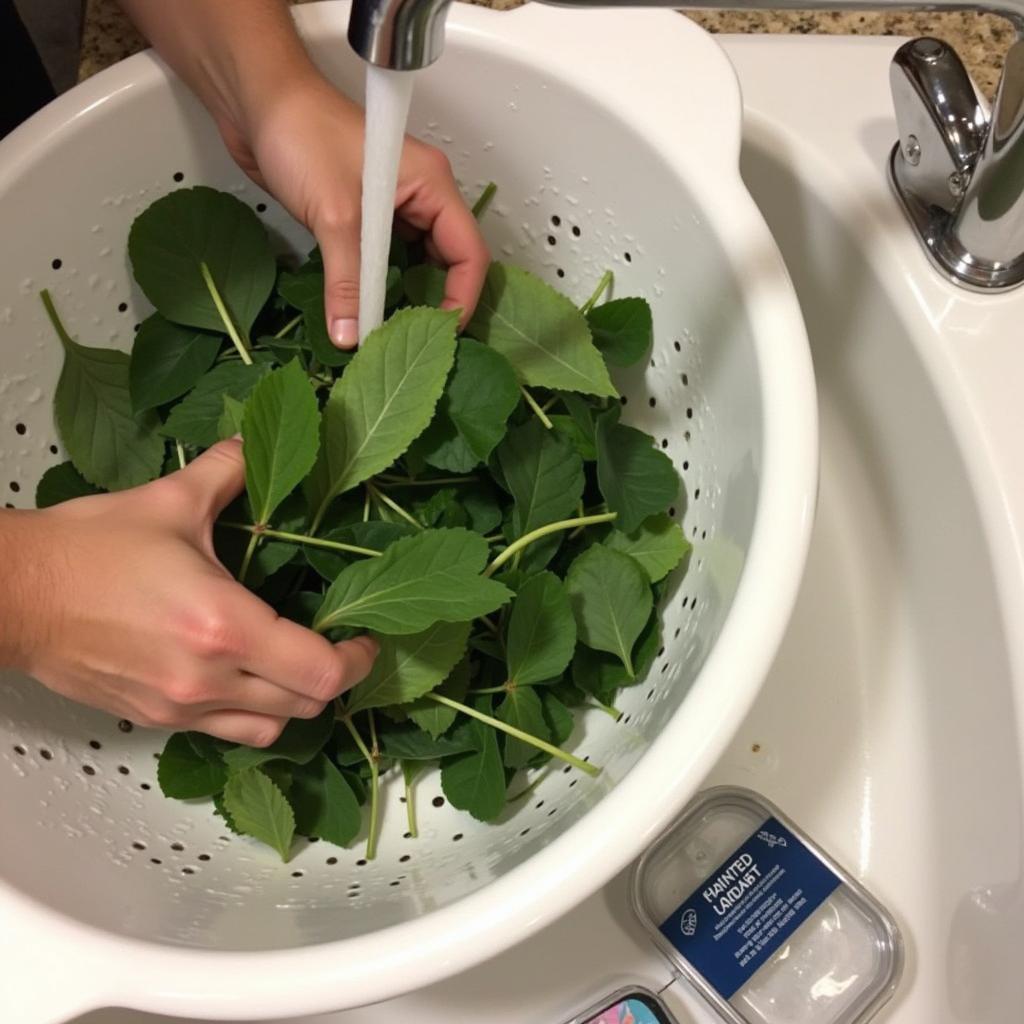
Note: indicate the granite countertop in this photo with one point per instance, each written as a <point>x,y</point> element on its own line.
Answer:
<point>981,40</point>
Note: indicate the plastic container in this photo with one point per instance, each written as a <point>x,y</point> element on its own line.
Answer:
<point>761,921</point>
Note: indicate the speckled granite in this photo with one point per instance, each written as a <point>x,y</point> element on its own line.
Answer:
<point>981,40</point>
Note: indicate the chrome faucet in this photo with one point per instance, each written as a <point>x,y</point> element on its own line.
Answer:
<point>958,173</point>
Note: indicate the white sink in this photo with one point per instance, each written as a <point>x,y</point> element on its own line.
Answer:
<point>891,726</point>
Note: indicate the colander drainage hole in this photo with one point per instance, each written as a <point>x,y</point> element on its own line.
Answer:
<point>204,857</point>
<point>664,442</point>
<point>571,784</point>
<point>297,874</point>
<point>15,486</point>
<point>650,695</point>
<point>560,272</point>
<point>46,755</point>
<point>53,449</point>
<point>7,504</point>
<point>405,858</point>
<point>188,871</point>
<point>360,863</point>
<point>146,786</point>
<point>177,847</point>
<point>677,346</point>
<point>95,744</point>
<point>155,860</point>
<point>123,769</point>
<point>125,726</point>
<point>57,264</point>
<point>438,801</point>
<point>652,401</point>
<point>88,769</point>
<point>552,240</point>
<point>628,258</point>
<point>539,805</point>
<point>672,512</point>
<point>623,400</point>
<point>179,176</point>
<point>456,837</point>
<point>138,846</point>
<point>261,207</point>
<point>332,860</point>
<point>394,883</point>
<point>556,221</point>
<point>679,629</point>
<point>685,379</point>
<point>552,812</point>
<point>19,749</point>
<point>20,428</point>
<point>576,231</point>
<point>525,832</point>
<point>122,307</point>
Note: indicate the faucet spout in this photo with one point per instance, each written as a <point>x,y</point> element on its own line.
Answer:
<point>401,35</point>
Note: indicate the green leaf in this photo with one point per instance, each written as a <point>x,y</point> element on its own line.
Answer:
<point>442,508</point>
<point>480,500</point>
<point>419,580</point>
<point>544,475</point>
<point>168,360</point>
<point>281,428</point>
<point>62,483</point>
<point>385,398</point>
<point>541,333</point>
<point>557,716</point>
<point>185,774</point>
<point>424,285</point>
<point>475,781</point>
<point>270,557</point>
<point>230,422</point>
<point>434,718</point>
<point>393,290</point>
<point>256,807</point>
<point>374,535</point>
<point>570,430</point>
<point>195,420</point>
<point>522,709</point>
<point>417,745</point>
<point>472,414</point>
<point>304,290</point>
<point>658,544</point>
<point>173,237</point>
<point>636,479</point>
<point>410,666</point>
<point>611,600</point>
<point>623,330</point>
<point>541,631</point>
<point>301,740</point>
<point>280,774</point>
<point>109,445</point>
<point>324,803</point>
<point>602,674</point>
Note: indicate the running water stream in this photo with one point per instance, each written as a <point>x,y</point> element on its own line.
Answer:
<point>388,94</point>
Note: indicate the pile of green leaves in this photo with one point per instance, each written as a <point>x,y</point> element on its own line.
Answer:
<point>472,501</point>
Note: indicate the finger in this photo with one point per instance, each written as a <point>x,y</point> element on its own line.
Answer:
<point>245,692</point>
<point>339,244</point>
<point>455,241</point>
<point>240,727</point>
<point>297,659</point>
<point>215,478</point>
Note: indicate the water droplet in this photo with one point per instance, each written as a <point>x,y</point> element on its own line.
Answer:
<point>488,146</point>
<point>26,286</point>
<point>447,140</point>
<point>105,251</point>
<point>6,315</point>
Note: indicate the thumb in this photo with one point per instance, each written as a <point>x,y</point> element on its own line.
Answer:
<point>339,246</point>
<point>216,477</point>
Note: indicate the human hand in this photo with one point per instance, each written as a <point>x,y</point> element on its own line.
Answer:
<point>305,146</point>
<point>118,601</point>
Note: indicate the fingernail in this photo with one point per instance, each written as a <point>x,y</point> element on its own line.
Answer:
<point>235,437</point>
<point>345,332</point>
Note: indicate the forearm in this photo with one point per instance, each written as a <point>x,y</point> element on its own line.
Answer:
<point>23,597</point>
<point>236,55</point>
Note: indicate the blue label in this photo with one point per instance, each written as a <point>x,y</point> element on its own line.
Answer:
<point>749,906</point>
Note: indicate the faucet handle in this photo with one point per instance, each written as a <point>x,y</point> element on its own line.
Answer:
<point>941,124</point>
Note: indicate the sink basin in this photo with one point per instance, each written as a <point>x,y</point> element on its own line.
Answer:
<point>891,726</point>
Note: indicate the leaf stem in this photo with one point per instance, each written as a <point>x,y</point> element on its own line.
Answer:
<point>247,559</point>
<point>371,841</point>
<point>480,206</point>
<point>383,499</point>
<point>490,625</point>
<point>301,538</point>
<point>366,507</point>
<point>55,320</point>
<point>527,790</point>
<point>606,708</point>
<point>605,282</point>
<point>386,480</point>
<point>222,310</point>
<point>511,730</point>
<point>532,403</point>
<point>542,531</point>
<point>288,327</point>
<point>182,461</point>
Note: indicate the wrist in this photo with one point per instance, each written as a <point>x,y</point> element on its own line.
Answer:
<point>27,592</point>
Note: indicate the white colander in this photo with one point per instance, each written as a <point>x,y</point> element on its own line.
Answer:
<point>614,139</point>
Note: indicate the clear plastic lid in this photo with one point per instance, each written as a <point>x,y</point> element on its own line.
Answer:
<point>761,920</point>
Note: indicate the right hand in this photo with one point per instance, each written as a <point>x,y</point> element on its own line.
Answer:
<point>118,601</point>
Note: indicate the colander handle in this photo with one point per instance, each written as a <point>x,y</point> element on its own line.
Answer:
<point>51,987</point>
